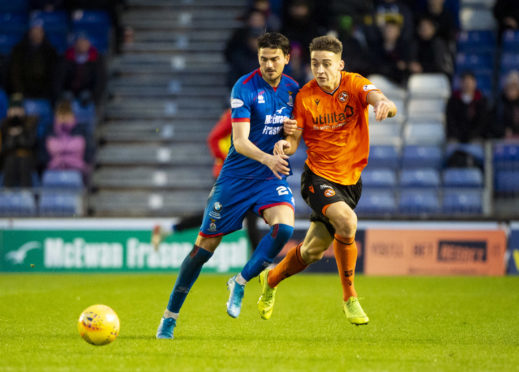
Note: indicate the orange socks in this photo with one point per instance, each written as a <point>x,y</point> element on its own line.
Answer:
<point>345,251</point>
<point>290,265</point>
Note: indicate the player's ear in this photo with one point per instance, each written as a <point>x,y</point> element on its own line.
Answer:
<point>287,59</point>
<point>341,64</point>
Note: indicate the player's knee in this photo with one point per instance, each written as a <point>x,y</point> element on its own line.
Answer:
<point>346,225</point>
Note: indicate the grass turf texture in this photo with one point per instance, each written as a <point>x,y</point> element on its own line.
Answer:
<point>417,324</point>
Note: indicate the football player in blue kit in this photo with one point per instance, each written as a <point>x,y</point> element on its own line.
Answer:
<point>252,178</point>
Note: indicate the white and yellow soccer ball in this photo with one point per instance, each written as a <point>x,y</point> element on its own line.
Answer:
<point>98,325</point>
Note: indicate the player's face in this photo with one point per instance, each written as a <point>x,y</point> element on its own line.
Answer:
<point>272,62</point>
<point>326,68</point>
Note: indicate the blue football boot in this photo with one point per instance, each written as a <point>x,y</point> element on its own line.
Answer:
<point>166,327</point>
<point>235,297</point>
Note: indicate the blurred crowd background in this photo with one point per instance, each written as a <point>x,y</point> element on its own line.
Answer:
<point>105,106</point>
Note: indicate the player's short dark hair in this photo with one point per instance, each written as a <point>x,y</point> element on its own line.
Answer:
<point>274,40</point>
<point>326,43</point>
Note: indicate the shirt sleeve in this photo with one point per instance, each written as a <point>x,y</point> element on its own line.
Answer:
<point>362,87</point>
<point>240,103</point>
<point>299,111</point>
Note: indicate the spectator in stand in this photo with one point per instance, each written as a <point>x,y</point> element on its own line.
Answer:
<point>32,66</point>
<point>467,112</point>
<point>391,55</point>
<point>506,13</point>
<point>387,10</point>
<point>18,145</point>
<point>241,51</point>
<point>355,47</point>
<point>65,147</point>
<point>508,107</point>
<point>47,5</point>
<point>273,23</point>
<point>298,68</point>
<point>444,19</point>
<point>300,24</point>
<point>82,72</point>
<point>429,52</point>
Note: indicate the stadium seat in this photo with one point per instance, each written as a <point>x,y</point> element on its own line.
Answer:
<point>474,149</point>
<point>385,133</point>
<point>413,202</point>
<point>7,42</point>
<point>415,178</point>
<point>462,201</point>
<point>422,86</point>
<point>17,203</point>
<point>426,109</point>
<point>17,6</point>
<point>414,156</point>
<point>96,24</point>
<point>63,179</point>
<point>463,177</point>
<point>506,155</point>
<point>424,134</point>
<point>510,43</point>
<point>390,89</point>
<point>376,202</point>
<point>4,103</point>
<point>383,156</point>
<point>476,41</point>
<point>379,178</point>
<point>62,204</point>
<point>43,110</point>
<point>506,181</point>
<point>475,62</point>
<point>85,115</point>
<point>13,23</point>
<point>477,19</point>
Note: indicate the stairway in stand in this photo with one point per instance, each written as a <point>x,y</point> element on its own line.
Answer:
<point>167,91</point>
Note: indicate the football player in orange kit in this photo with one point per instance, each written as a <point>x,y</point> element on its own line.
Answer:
<point>331,114</point>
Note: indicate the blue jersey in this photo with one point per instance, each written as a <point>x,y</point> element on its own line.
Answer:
<point>254,101</point>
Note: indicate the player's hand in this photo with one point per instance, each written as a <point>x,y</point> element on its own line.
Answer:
<point>382,110</point>
<point>278,165</point>
<point>289,126</point>
<point>281,146</point>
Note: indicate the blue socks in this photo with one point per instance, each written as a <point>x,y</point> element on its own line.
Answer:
<point>189,271</point>
<point>267,249</point>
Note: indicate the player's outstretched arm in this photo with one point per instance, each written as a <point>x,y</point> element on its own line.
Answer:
<point>383,107</point>
<point>289,145</point>
<point>276,163</point>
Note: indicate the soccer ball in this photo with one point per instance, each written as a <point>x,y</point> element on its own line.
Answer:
<point>98,325</point>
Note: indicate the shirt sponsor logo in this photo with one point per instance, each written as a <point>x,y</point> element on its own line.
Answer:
<point>235,103</point>
<point>369,87</point>
<point>330,120</point>
<point>275,119</point>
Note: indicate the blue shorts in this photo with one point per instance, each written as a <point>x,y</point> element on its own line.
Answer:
<point>231,198</point>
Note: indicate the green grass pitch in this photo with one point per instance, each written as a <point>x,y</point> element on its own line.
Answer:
<point>417,324</point>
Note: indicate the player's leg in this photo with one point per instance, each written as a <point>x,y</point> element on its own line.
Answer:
<point>344,220</point>
<point>189,271</point>
<point>316,241</point>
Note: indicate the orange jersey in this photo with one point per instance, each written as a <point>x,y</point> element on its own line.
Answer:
<point>335,127</point>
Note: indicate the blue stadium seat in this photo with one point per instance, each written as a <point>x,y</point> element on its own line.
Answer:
<point>56,25</point>
<point>476,41</point>
<point>62,204</point>
<point>476,62</point>
<point>17,203</point>
<point>43,110</point>
<point>96,24</point>
<point>379,177</point>
<point>4,103</point>
<point>506,181</point>
<point>376,202</point>
<point>462,177</point>
<point>7,42</point>
<point>16,6</point>
<point>86,116</point>
<point>474,149</point>
<point>506,156</point>
<point>509,62</point>
<point>510,43</point>
<point>419,202</point>
<point>415,178</point>
<point>462,201</point>
<point>383,156</point>
<point>63,179</point>
<point>13,23</point>
<point>421,157</point>
<point>432,133</point>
